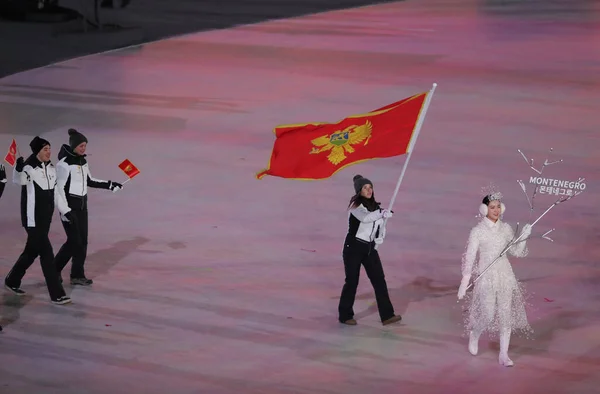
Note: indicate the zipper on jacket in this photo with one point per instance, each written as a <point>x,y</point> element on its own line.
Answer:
<point>46,173</point>
<point>82,181</point>
<point>372,231</point>
<point>82,185</point>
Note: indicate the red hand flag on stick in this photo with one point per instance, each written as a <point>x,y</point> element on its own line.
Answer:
<point>11,156</point>
<point>129,169</point>
<point>319,150</point>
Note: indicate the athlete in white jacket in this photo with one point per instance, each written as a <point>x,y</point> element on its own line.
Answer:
<point>365,222</point>
<point>74,179</point>
<point>39,195</point>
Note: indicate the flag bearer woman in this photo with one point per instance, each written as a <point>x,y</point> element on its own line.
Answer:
<point>365,230</point>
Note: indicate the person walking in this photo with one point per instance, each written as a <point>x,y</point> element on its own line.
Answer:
<point>39,196</point>
<point>365,230</point>
<point>497,303</point>
<point>73,180</point>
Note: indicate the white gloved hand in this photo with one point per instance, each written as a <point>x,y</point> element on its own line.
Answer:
<point>526,232</point>
<point>114,186</point>
<point>464,283</point>
<point>387,214</point>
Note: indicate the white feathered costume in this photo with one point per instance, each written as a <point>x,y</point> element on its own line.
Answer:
<point>497,304</point>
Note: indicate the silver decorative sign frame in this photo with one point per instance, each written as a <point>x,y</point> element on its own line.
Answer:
<point>570,188</point>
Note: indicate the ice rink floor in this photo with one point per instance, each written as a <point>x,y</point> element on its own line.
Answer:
<point>208,280</point>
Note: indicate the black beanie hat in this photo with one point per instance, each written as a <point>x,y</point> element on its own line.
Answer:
<point>37,144</point>
<point>76,138</point>
<point>359,182</point>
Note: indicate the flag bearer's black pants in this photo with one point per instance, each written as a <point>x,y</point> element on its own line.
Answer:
<point>38,244</point>
<point>76,245</point>
<point>355,254</point>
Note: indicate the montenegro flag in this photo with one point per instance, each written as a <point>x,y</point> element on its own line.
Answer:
<point>11,156</point>
<point>128,168</point>
<point>319,150</point>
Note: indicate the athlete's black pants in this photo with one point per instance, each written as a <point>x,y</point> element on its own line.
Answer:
<point>76,245</point>
<point>355,254</point>
<point>38,244</point>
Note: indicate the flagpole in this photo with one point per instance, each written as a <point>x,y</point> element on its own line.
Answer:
<point>115,190</point>
<point>411,144</point>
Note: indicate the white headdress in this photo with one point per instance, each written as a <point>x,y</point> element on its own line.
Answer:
<point>493,194</point>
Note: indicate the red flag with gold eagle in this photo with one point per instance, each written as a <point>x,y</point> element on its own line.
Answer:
<point>128,168</point>
<point>319,150</point>
<point>11,156</point>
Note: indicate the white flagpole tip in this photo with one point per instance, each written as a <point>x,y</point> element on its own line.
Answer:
<point>434,84</point>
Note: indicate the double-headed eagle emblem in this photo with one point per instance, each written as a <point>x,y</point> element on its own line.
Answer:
<point>340,142</point>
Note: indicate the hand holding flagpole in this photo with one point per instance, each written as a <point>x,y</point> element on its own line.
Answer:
<point>129,169</point>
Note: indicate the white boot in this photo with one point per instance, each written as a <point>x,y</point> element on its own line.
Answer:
<point>473,343</point>
<point>504,342</point>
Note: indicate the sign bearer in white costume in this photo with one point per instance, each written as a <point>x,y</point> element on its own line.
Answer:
<point>497,304</point>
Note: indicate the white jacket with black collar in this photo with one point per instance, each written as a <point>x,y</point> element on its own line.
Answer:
<point>74,175</point>
<point>39,194</point>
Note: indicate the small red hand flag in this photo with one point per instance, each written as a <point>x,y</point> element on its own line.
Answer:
<point>11,156</point>
<point>129,169</point>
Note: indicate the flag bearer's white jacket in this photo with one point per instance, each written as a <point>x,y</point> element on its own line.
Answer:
<point>39,194</point>
<point>365,225</point>
<point>74,178</point>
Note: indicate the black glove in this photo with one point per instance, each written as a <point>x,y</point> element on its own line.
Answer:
<point>2,173</point>
<point>114,185</point>
<point>71,217</point>
<point>20,164</point>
